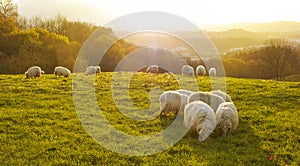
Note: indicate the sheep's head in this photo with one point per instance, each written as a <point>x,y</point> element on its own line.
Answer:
<point>26,74</point>
<point>98,70</point>
<point>224,127</point>
<point>163,103</point>
<point>198,125</point>
<point>38,74</point>
<point>167,111</point>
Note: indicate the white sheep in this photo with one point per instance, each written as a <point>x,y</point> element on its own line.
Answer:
<point>227,118</point>
<point>200,117</point>
<point>152,69</point>
<point>212,71</point>
<point>33,72</point>
<point>211,99</point>
<point>185,92</point>
<point>93,70</point>
<point>200,70</point>
<point>187,70</point>
<point>224,95</point>
<point>172,101</point>
<point>62,71</point>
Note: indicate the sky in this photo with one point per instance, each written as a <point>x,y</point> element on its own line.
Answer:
<point>200,12</point>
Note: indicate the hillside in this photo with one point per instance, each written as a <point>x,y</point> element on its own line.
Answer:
<point>39,124</point>
<point>278,26</point>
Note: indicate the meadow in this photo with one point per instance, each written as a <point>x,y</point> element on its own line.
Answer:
<point>39,124</point>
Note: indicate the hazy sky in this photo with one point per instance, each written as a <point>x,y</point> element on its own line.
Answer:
<point>201,12</point>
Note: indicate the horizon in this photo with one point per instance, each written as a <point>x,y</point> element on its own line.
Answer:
<point>206,14</point>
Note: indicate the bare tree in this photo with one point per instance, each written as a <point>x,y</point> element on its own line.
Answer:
<point>8,9</point>
<point>276,58</point>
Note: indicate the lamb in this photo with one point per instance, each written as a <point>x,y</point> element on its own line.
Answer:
<point>185,92</point>
<point>33,72</point>
<point>212,71</point>
<point>93,70</point>
<point>199,117</point>
<point>211,99</point>
<point>224,95</point>
<point>200,70</point>
<point>172,101</point>
<point>188,70</point>
<point>152,69</point>
<point>62,71</point>
<point>227,118</point>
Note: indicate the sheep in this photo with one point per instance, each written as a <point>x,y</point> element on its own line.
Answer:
<point>62,71</point>
<point>152,69</point>
<point>33,72</point>
<point>200,70</point>
<point>199,117</point>
<point>172,101</point>
<point>227,118</point>
<point>187,70</point>
<point>211,99</point>
<point>93,70</point>
<point>224,95</point>
<point>185,92</point>
<point>212,71</point>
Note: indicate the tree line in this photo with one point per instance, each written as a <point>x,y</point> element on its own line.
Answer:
<point>48,42</point>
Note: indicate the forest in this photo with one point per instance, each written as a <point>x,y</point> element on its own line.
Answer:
<point>56,41</point>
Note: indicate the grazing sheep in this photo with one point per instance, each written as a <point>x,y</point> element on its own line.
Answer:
<point>152,69</point>
<point>212,71</point>
<point>187,70</point>
<point>200,117</point>
<point>172,101</point>
<point>227,118</point>
<point>200,70</point>
<point>93,70</point>
<point>224,95</point>
<point>211,99</point>
<point>62,71</point>
<point>33,72</point>
<point>185,92</point>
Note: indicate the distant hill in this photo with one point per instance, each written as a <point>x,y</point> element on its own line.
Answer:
<point>278,26</point>
<point>234,33</point>
<point>223,40</point>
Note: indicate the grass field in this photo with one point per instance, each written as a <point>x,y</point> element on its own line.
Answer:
<point>39,124</point>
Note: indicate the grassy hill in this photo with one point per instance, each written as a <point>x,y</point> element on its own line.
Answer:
<point>39,124</point>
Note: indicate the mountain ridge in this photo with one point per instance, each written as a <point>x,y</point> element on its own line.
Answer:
<point>276,26</point>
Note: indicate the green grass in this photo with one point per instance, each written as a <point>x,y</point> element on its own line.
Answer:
<point>39,124</point>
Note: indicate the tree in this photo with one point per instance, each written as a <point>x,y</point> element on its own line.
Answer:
<point>276,58</point>
<point>74,30</point>
<point>8,16</point>
<point>36,47</point>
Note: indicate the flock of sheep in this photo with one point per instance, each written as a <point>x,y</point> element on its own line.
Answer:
<point>203,112</point>
<point>200,71</point>
<point>187,70</point>
<point>36,71</point>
